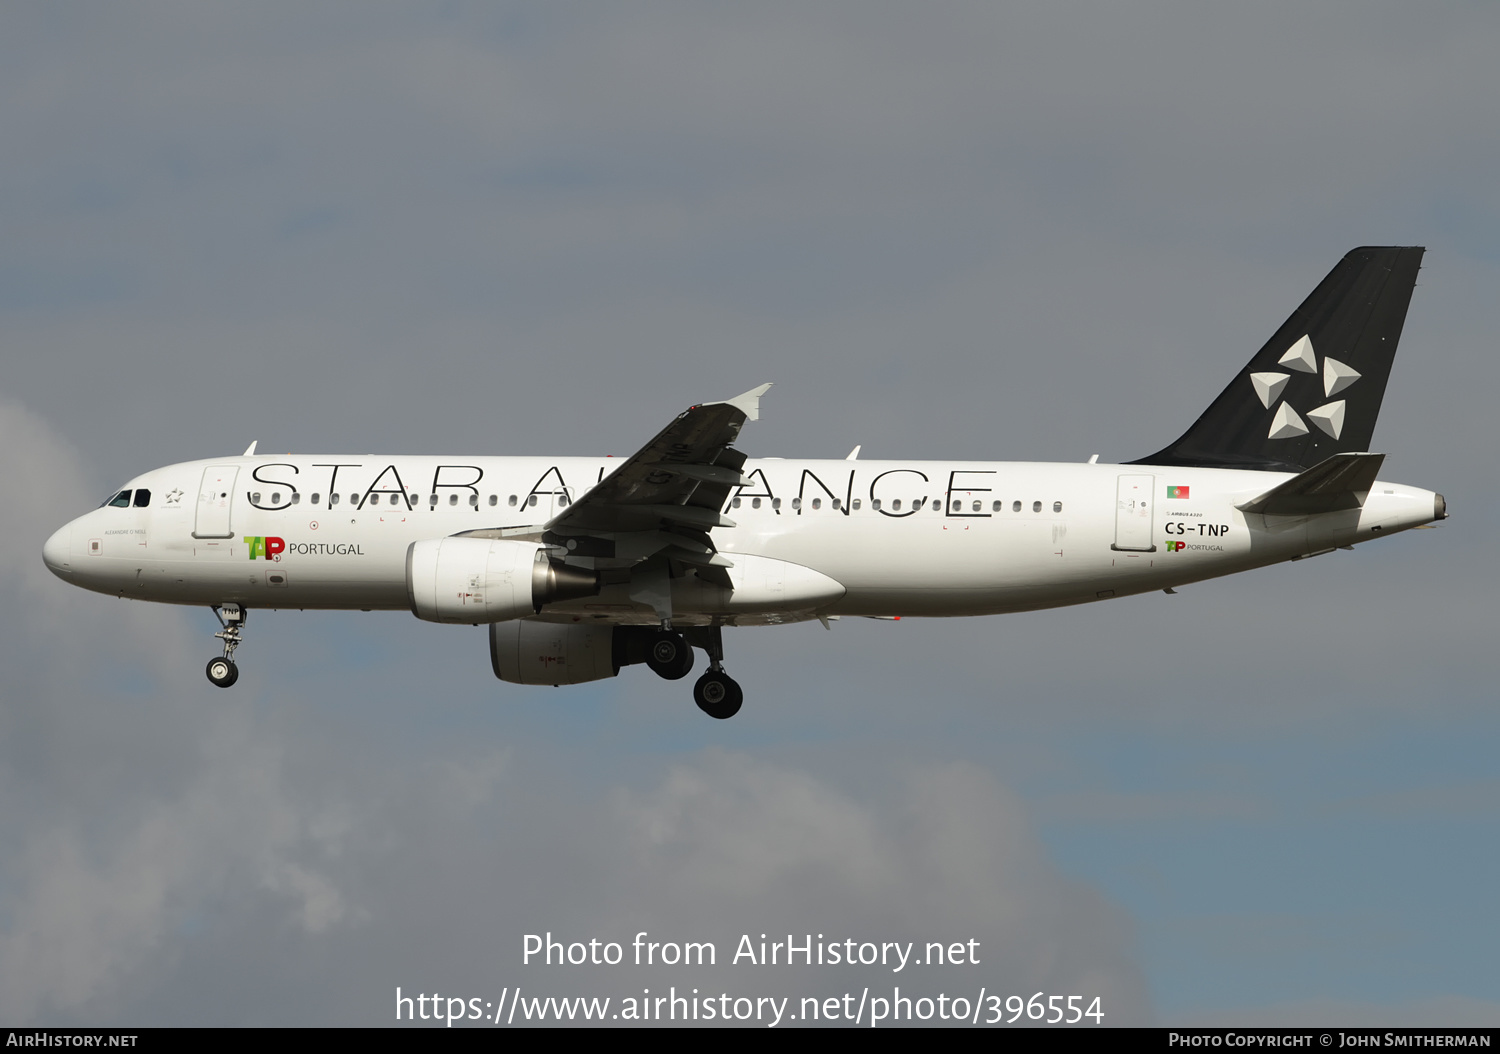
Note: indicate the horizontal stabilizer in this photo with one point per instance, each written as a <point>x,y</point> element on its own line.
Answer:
<point>1340,482</point>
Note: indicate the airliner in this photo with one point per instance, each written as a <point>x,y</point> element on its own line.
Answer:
<point>581,566</point>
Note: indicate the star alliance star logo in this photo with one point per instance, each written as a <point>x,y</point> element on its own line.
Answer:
<point>1288,424</point>
<point>174,496</point>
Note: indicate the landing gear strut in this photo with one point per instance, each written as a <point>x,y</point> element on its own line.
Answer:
<point>222,671</point>
<point>717,694</point>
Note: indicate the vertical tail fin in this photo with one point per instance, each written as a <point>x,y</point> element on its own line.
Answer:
<point>1315,389</point>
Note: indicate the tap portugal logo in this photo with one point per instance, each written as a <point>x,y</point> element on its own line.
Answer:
<point>268,547</point>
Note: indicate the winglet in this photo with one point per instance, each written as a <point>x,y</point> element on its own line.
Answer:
<point>748,403</point>
<point>250,450</point>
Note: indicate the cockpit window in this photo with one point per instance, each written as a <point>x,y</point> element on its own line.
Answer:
<point>120,500</point>
<point>142,497</point>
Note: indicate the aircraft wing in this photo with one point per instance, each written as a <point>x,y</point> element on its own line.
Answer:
<point>668,495</point>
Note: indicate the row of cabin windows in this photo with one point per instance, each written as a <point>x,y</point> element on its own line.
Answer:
<point>143,496</point>
<point>916,506</point>
<point>295,498</point>
<point>122,500</point>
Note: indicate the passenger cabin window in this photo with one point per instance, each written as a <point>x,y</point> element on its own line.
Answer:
<point>1057,506</point>
<point>255,497</point>
<point>835,504</point>
<point>896,505</point>
<point>817,503</point>
<point>875,504</point>
<point>296,497</point>
<point>776,504</point>
<point>755,503</point>
<point>997,506</point>
<point>453,499</point>
<point>512,502</point>
<point>1036,506</point>
<point>494,500</point>
<point>315,497</point>
<point>855,505</point>
<point>1015,506</point>
<point>531,500</point>
<point>142,498</point>
<point>797,504</point>
<point>735,503</point>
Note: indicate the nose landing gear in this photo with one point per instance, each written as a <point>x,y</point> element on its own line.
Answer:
<point>222,671</point>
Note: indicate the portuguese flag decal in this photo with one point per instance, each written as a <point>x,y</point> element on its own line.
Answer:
<point>1177,492</point>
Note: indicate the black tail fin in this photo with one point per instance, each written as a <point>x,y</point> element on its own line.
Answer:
<point>1315,389</point>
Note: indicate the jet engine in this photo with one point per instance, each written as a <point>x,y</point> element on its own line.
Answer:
<point>553,653</point>
<point>488,579</point>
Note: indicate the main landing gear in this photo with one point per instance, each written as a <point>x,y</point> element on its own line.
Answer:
<point>669,652</point>
<point>717,694</point>
<point>670,656</point>
<point>222,671</point>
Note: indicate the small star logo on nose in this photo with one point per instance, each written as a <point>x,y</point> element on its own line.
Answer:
<point>174,496</point>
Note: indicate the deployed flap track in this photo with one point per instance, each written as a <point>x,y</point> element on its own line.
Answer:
<point>1315,389</point>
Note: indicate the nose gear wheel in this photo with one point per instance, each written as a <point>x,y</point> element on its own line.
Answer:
<point>222,672</point>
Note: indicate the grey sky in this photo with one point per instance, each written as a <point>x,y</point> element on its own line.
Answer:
<point>949,231</point>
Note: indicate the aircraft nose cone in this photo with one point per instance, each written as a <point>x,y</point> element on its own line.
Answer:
<point>57,553</point>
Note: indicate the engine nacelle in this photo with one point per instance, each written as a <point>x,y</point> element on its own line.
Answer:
<point>467,580</point>
<point>552,652</point>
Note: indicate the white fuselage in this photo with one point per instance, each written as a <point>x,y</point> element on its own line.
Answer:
<point>900,538</point>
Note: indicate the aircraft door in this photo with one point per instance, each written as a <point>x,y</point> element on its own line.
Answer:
<point>215,498</point>
<point>1134,516</point>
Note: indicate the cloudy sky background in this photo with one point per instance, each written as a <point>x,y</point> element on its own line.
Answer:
<point>1029,232</point>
